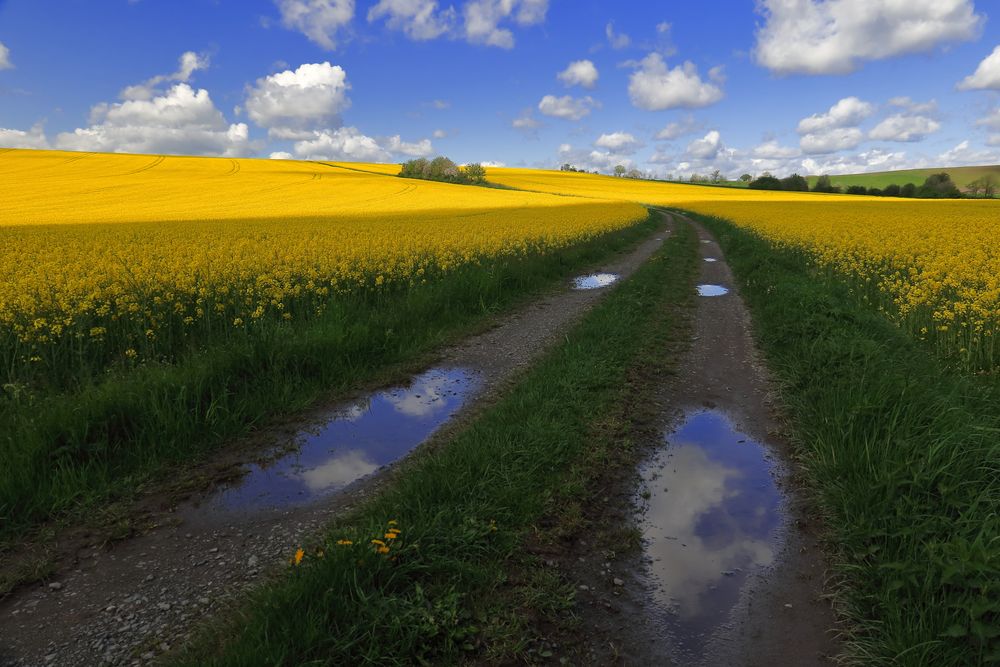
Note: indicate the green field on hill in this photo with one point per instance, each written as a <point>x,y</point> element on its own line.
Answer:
<point>962,176</point>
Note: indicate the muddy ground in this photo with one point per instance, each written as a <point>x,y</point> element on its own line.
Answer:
<point>131,601</point>
<point>780,615</point>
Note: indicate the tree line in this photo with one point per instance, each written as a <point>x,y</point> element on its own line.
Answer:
<point>936,186</point>
<point>443,169</point>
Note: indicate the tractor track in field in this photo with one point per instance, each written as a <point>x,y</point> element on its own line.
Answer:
<point>135,600</point>
<point>730,570</point>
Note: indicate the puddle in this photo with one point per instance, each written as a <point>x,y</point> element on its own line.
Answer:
<point>595,280</point>
<point>706,241</point>
<point>357,440</point>
<point>712,290</point>
<point>711,259</point>
<point>713,518</point>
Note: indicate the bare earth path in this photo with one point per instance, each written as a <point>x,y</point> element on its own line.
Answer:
<point>731,572</point>
<point>134,600</point>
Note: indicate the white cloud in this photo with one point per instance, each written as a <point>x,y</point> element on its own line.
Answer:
<point>964,154</point>
<point>617,40</point>
<point>439,134</point>
<point>440,105</point>
<point>319,20</point>
<point>527,123</point>
<point>993,140</point>
<point>902,127</point>
<point>593,160</point>
<point>5,62</point>
<point>579,73</point>
<point>990,120</point>
<point>493,163</point>
<point>33,138</point>
<point>832,140</point>
<point>848,112</point>
<point>706,148</point>
<point>350,144</point>
<point>189,63</point>
<point>772,150</point>
<point>292,103</point>
<point>986,76</point>
<point>686,125</point>
<point>654,87</point>
<point>914,107</point>
<point>418,19</point>
<point>483,19</point>
<point>834,36</point>
<point>281,155</point>
<point>873,160</point>
<point>567,107</point>
<point>181,120</point>
<point>618,142</point>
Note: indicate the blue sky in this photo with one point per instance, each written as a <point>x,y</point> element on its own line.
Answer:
<point>811,86</point>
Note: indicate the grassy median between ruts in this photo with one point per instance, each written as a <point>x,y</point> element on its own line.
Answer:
<point>414,575</point>
<point>903,454</point>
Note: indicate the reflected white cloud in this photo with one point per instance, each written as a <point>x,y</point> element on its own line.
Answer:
<point>339,471</point>
<point>427,395</point>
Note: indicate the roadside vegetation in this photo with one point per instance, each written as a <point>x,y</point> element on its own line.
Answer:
<point>901,454</point>
<point>66,454</point>
<point>419,574</point>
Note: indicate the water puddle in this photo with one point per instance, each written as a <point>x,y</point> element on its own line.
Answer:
<point>357,440</point>
<point>595,280</point>
<point>706,240</point>
<point>712,290</point>
<point>711,259</point>
<point>712,518</point>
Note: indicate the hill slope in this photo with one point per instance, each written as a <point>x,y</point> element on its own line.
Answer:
<point>962,176</point>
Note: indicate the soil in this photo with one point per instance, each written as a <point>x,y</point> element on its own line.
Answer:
<point>782,616</point>
<point>130,601</point>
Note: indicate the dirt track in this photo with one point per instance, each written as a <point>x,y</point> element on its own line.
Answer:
<point>134,600</point>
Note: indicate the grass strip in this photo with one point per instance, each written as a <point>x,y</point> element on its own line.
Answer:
<point>903,455</point>
<point>65,455</point>
<point>433,592</point>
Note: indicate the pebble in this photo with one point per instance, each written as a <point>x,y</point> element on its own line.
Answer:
<point>55,586</point>
<point>618,582</point>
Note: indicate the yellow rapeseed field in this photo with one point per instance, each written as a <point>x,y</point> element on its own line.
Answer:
<point>120,256</point>
<point>932,266</point>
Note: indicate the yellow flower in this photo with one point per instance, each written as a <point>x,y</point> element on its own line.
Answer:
<point>297,558</point>
<point>344,543</point>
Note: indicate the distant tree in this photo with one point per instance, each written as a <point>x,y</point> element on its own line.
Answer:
<point>875,192</point>
<point>857,190</point>
<point>908,190</point>
<point>414,168</point>
<point>891,190</point>
<point>634,173</point>
<point>619,170</point>
<point>985,186</point>
<point>474,173</point>
<point>765,182</point>
<point>795,183</point>
<point>716,176</point>
<point>823,184</point>
<point>566,167</point>
<point>938,186</point>
<point>746,178</point>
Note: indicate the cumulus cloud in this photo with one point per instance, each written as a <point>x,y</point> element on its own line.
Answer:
<point>849,111</point>
<point>527,124</point>
<point>350,144</point>
<point>292,103</point>
<point>618,142</point>
<point>986,76</point>
<point>990,120</point>
<point>579,73</point>
<point>680,128</point>
<point>831,141</point>
<point>418,19</point>
<point>873,160</point>
<point>772,150</point>
<point>483,18</point>
<point>567,107</point>
<point>655,87</point>
<point>33,138</point>
<point>593,160</point>
<point>834,36</point>
<point>617,40</point>
<point>902,127</point>
<point>189,63</point>
<point>319,20</point>
<point>281,155</point>
<point>181,120</point>
<point>706,148</point>
<point>5,62</point>
<point>965,154</point>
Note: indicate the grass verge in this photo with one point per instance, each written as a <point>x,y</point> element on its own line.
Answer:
<point>67,454</point>
<point>437,591</point>
<point>902,453</point>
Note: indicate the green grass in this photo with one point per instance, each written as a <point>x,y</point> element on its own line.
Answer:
<point>902,453</point>
<point>464,508</point>
<point>962,176</point>
<point>63,455</point>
